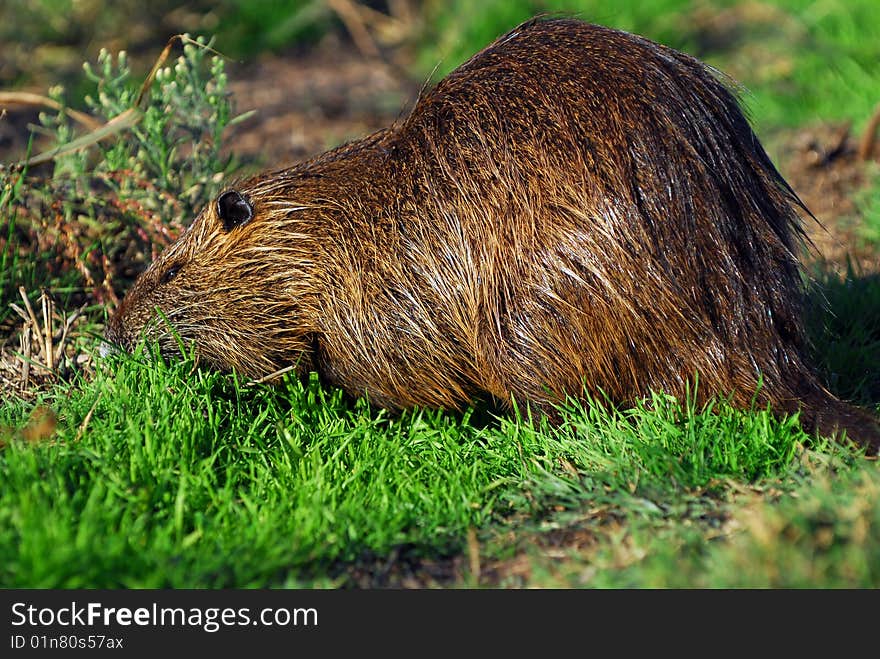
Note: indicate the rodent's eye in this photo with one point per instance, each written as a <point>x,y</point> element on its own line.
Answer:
<point>169,274</point>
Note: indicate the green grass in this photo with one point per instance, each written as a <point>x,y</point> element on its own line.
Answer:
<point>162,475</point>
<point>166,476</point>
<point>843,321</point>
<point>820,532</point>
<point>152,474</point>
<point>186,480</point>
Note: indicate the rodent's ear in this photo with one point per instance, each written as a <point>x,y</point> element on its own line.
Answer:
<point>233,209</point>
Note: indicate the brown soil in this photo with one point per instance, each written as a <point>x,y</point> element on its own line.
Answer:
<point>821,164</point>
<point>306,104</point>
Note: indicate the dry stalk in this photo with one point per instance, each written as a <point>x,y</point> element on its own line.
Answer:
<point>869,136</point>
<point>271,376</point>
<point>24,341</point>
<point>85,423</point>
<point>473,546</point>
<point>33,333</point>
<point>348,13</point>
<point>41,344</point>
<point>121,122</point>
<point>48,350</point>
<point>37,100</point>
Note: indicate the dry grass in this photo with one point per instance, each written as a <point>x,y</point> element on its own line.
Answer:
<point>46,351</point>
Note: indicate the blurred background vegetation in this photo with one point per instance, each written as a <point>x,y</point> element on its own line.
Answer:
<point>802,59</point>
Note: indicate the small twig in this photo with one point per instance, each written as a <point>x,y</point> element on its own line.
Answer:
<point>50,351</point>
<point>21,312</point>
<point>47,308</point>
<point>24,341</point>
<point>473,554</point>
<point>85,423</point>
<point>67,323</point>
<point>27,303</point>
<point>271,376</point>
<point>869,136</point>
<point>26,355</point>
<point>29,99</point>
<point>349,15</point>
<point>31,329</point>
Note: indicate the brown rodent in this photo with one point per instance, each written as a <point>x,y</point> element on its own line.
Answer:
<point>573,209</point>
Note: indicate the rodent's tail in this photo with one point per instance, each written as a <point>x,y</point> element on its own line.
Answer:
<point>827,415</point>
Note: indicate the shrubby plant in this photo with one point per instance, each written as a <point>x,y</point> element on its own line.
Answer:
<point>95,216</point>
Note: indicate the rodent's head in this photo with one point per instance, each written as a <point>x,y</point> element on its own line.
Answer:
<point>235,286</point>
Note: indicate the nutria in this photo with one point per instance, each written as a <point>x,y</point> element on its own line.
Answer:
<point>574,209</point>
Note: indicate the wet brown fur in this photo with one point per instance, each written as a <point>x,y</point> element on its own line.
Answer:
<point>574,208</point>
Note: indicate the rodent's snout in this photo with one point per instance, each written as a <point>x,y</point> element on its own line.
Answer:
<point>113,340</point>
<point>106,349</point>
